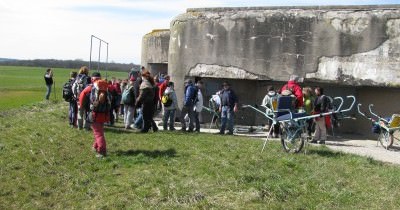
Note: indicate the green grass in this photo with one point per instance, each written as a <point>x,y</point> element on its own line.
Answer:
<point>25,85</point>
<point>44,164</point>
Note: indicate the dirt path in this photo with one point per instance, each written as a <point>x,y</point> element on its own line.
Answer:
<point>348,144</point>
<point>368,148</point>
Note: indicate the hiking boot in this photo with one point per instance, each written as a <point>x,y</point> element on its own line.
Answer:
<point>322,142</point>
<point>313,141</point>
<point>172,129</point>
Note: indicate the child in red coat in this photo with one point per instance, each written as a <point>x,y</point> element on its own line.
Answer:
<point>98,118</point>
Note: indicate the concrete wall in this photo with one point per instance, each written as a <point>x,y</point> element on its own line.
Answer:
<point>155,47</point>
<point>338,47</point>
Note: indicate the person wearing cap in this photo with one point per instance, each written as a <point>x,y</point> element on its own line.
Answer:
<point>228,107</point>
<point>292,87</point>
<point>189,100</point>
<point>99,144</point>
<point>163,86</point>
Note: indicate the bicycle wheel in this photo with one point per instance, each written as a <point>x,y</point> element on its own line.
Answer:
<point>386,139</point>
<point>291,139</point>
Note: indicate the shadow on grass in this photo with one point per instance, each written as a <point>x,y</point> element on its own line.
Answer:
<point>325,153</point>
<point>153,154</point>
<point>118,130</point>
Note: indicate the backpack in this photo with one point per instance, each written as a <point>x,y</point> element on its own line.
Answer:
<point>287,91</point>
<point>166,100</point>
<point>67,93</point>
<point>100,97</point>
<point>273,102</point>
<point>80,83</point>
<point>128,96</point>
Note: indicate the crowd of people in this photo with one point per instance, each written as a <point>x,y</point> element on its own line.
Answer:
<point>94,102</point>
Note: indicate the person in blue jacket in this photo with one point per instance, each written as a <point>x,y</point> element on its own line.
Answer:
<point>190,97</point>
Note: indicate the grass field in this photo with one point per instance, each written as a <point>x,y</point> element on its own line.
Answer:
<point>44,164</point>
<point>25,85</point>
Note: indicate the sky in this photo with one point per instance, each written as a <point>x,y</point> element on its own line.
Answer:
<point>62,29</point>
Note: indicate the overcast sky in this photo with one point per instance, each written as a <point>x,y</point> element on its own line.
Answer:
<point>61,29</point>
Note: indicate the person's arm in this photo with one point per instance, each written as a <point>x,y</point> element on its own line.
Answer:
<point>299,96</point>
<point>236,101</point>
<point>82,96</point>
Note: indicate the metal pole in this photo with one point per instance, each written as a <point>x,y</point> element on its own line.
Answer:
<point>90,57</point>
<point>98,62</point>
<point>106,61</point>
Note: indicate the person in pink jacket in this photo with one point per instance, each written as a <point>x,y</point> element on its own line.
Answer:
<point>98,118</point>
<point>293,87</point>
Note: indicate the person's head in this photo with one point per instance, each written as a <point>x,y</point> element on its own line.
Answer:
<point>84,70</point>
<point>156,78</point>
<point>167,78</point>
<point>188,82</point>
<point>307,91</point>
<point>142,68</point>
<point>319,91</point>
<point>145,74</point>
<point>296,78</point>
<point>48,71</point>
<point>226,85</point>
<point>199,84</point>
<point>132,80</point>
<point>270,88</point>
<point>96,76</point>
<point>170,85</point>
<point>73,74</point>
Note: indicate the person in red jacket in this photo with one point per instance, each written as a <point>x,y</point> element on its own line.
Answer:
<point>99,144</point>
<point>163,86</point>
<point>293,87</point>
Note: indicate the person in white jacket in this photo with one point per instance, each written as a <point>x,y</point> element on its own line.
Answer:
<point>198,106</point>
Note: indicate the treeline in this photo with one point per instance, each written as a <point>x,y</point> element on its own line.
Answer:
<point>71,64</point>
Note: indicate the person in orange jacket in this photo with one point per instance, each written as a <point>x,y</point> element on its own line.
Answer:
<point>98,118</point>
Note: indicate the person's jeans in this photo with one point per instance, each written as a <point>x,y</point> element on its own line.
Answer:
<point>187,110</point>
<point>139,119</point>
<point>48,91</point>
<point>72,114</point>
<point>169,114</point>
<point>227,116</point>
<point>83,118</point>
<point>128,115</point>
<point>197,121</point>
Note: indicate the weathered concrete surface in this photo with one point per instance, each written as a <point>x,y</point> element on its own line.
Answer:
<point>347,46</point>
<point>155,47</point>
<point>338,48</point>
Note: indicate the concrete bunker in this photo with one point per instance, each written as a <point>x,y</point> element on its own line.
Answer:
<point>345,49</point>
<point>155,51</point>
